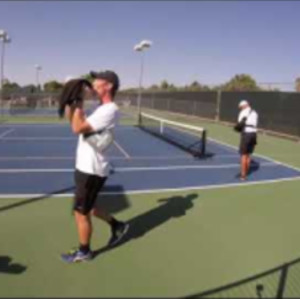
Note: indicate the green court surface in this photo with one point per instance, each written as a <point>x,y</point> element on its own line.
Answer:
<point>183,243</point>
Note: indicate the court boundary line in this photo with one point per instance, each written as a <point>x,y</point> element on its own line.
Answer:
<point>35,124</point>
<point>153,191</point>
<point>112,158</point>
<point>67,125</point>
<point>133,169</point>
<point>6,133</point>
<point>121,149</point>
<point>173,157</point>
<point>39,138</point>
<point>7,158</point>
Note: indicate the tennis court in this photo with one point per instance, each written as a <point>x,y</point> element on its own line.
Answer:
<point>39,159</point>
<point>194,225</point>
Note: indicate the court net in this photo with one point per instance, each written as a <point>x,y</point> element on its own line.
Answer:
<point>189,138</point>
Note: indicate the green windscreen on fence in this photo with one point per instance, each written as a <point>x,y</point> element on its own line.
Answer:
<point>278,111</point>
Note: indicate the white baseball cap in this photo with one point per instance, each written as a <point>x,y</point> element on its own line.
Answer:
<point>243,103</point>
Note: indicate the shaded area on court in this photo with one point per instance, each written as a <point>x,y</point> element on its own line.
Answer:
<point>34,199</point>
<point>8,266</point>
<point>167,209</point>
<point>109,203</point>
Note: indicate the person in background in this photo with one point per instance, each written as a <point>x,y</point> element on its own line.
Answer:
<point>247,126</point>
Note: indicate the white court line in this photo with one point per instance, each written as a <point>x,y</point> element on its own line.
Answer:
<point>257,155</point>
<point>179,157</point>
<point>132,169</point>
<point>159,191</point>
<point>175,157</point>
<point>219,186</point>
<point>121,149</point>
<point>35,158</point>
<point>39,138</point>
<point>6,133</point>
<point>7,158</point>
<point>183,167</point>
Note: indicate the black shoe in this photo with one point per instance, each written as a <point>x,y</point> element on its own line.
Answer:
<point>118,233</point>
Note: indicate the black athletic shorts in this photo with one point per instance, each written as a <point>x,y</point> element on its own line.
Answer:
<point>87,187</point>
<point>248,143</point>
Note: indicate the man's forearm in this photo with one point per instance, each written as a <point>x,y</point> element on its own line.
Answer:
<point>77,119</point>
<point>69,111</point>
<point>79,123</point>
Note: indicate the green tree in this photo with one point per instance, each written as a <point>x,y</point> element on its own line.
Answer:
<point>53,86</point>
<point>194,86</point>
<point>30,88</point>
<point>164,85</point>
<point>154,87</point>
<point>297,84</point>
<point>88,77</point>
<point>172,87</point>
<point>10,86</point>
<point>241,82</point>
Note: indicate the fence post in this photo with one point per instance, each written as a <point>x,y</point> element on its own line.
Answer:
<point>282,281</point>
<point>218,105</point>
<point>168,105</point>
<point>194,111</point>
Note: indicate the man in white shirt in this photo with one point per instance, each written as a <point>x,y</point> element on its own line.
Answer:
<point>92,165</point>
<point>247,122</point>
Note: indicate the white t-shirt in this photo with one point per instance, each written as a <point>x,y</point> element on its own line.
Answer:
<point>252,119</point>
<point>88,160</point>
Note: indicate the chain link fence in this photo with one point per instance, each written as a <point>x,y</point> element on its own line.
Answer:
<point>278,111</point>
<point>202,104</point>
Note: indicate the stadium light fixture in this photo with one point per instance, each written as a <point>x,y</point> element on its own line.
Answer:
<point>140,47</point>
<point>5,39</point>
<point>38,68</point>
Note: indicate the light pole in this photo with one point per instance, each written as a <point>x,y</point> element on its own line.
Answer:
<point>143,45</point>
<point>38,68</point>
<point>5,39</point>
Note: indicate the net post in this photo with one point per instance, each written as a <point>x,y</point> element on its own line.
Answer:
<point>161,128</point>
<point>139,119</point>
<point>217,117</point>
<point>203,143</point>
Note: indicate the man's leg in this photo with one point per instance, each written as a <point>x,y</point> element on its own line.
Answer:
<point>244,166</point>
<point>106,217</point>
<point>118,228</point>
<point>85,229</point>
<point>103,215</point>
<point>83,202</point>
<point>248,163</point>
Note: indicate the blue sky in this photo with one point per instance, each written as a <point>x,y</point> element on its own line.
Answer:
<point>205,41</point>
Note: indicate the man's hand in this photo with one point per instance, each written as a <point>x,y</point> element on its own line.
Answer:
<point>79,123</point>
<point>69,111</point>
<point>72,94</point>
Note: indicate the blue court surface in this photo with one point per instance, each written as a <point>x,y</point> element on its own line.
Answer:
<point>39,160</point>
